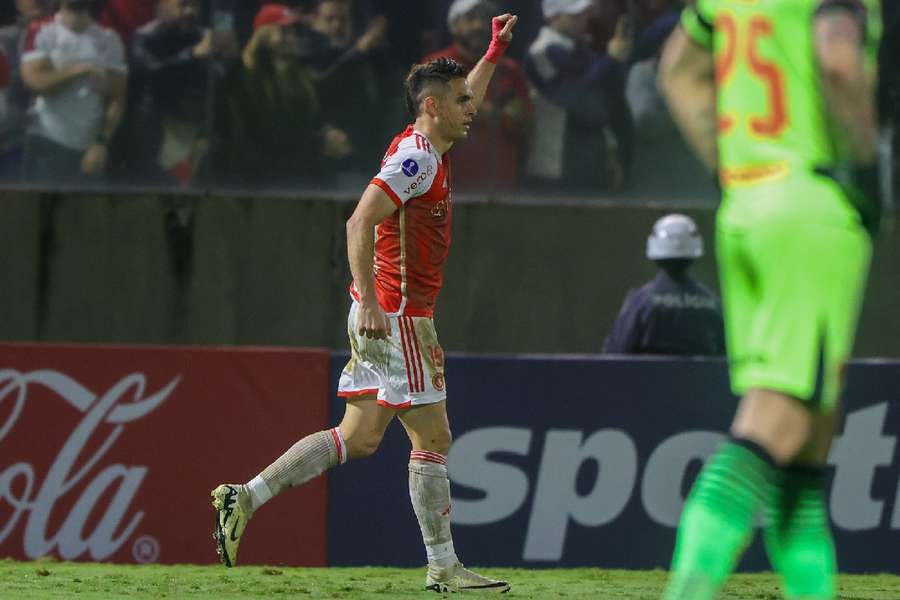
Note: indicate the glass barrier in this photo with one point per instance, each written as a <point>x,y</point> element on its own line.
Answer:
<point>240,95</point>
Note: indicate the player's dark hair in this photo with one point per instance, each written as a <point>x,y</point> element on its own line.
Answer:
<point>440,71</point>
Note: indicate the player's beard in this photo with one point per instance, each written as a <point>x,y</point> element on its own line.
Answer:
<point>452,130</point>
<point>457,133</point>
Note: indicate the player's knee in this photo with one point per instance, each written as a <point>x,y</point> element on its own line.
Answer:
<point>777,423</point>
<point>437,441</point>
<point>363,445</point>
<point>783,444</point>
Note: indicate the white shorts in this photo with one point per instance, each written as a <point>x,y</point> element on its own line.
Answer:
<point>407,369</point>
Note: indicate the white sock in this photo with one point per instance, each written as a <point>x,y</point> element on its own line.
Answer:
<point>259,492</point>
<point>308,458</point>
<point>429,490</point>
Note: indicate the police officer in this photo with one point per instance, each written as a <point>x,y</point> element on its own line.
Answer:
<point>673,313</point>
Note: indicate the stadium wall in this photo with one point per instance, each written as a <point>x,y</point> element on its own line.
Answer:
<point>108,453</point>
<point>150,269</point>
<point>585,461</point>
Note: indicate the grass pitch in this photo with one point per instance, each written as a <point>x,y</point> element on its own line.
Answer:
<point>50,580</point>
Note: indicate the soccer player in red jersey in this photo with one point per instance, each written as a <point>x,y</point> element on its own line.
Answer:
<point>397,241</point>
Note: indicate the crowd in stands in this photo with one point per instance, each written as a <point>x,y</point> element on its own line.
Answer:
<point>301,94</point>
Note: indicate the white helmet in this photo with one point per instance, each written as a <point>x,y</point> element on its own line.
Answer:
<point>674,236</point>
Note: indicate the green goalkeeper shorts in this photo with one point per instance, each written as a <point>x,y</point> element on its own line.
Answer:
<point>793,262</point>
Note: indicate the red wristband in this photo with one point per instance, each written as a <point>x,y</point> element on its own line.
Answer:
<point>498,47</point>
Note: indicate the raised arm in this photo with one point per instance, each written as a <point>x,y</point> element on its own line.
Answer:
<point>848,90</point>
<point>374,207</point>
<point>480,75</point>
<point>841,28</point>
<point>687,80</point>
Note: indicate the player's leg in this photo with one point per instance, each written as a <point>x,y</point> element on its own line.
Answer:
<point>429,490</point>
<point>734,485</point>
<point>771,425</point>
<point>797,534</point>
<point>422,390</point>
<point>358,436</point>
<point>429,486</point>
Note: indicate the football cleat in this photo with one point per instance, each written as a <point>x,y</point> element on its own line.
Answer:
<point>457,578</point>
<point>231,502</point>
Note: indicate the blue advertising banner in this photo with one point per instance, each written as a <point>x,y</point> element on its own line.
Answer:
<point>586,461</point>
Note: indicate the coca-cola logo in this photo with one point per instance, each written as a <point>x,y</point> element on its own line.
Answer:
<point>31,499</point>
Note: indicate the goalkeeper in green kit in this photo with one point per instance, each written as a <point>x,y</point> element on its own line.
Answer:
<point>777,98</point>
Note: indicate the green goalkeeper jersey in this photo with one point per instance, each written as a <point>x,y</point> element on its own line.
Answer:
<point>772,118</point>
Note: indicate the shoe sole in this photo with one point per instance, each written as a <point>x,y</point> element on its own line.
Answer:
<point>501,587</point>
<point>219,533</point>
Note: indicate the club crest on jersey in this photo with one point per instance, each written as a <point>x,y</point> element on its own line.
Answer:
<point>439,210</point>
<point>410,167</point>
<point>438,381</point>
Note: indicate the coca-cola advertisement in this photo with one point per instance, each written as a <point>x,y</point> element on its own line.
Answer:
<point>108,453</point>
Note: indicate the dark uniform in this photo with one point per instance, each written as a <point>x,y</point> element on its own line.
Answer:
<point>668,316</point>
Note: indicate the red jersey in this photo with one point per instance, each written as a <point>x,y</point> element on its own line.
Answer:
<point>411,245</point>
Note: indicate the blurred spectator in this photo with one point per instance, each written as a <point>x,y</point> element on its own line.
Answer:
<point>889,94</point>
<point>77,71</point>
<point>415,28</point>
<point>584,137</point>
<point>332,19</point>
<point>655,20</point>
<point>5,112</point>
<point>664,165</point>
<point>411,30</point>
<point>8,122</point>
<point>13,38</point>
<point>498,140</point>
<point>4,79</point>
<point>126,16</point>
<point>245,11</point>
<point>673,313</point>
<point>269,131</point>
<point>29,13</point>
<point>170,59</point>
<point>360,61</point>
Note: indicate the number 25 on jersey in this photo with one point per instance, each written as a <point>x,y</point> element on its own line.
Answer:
<point>741,46</point>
